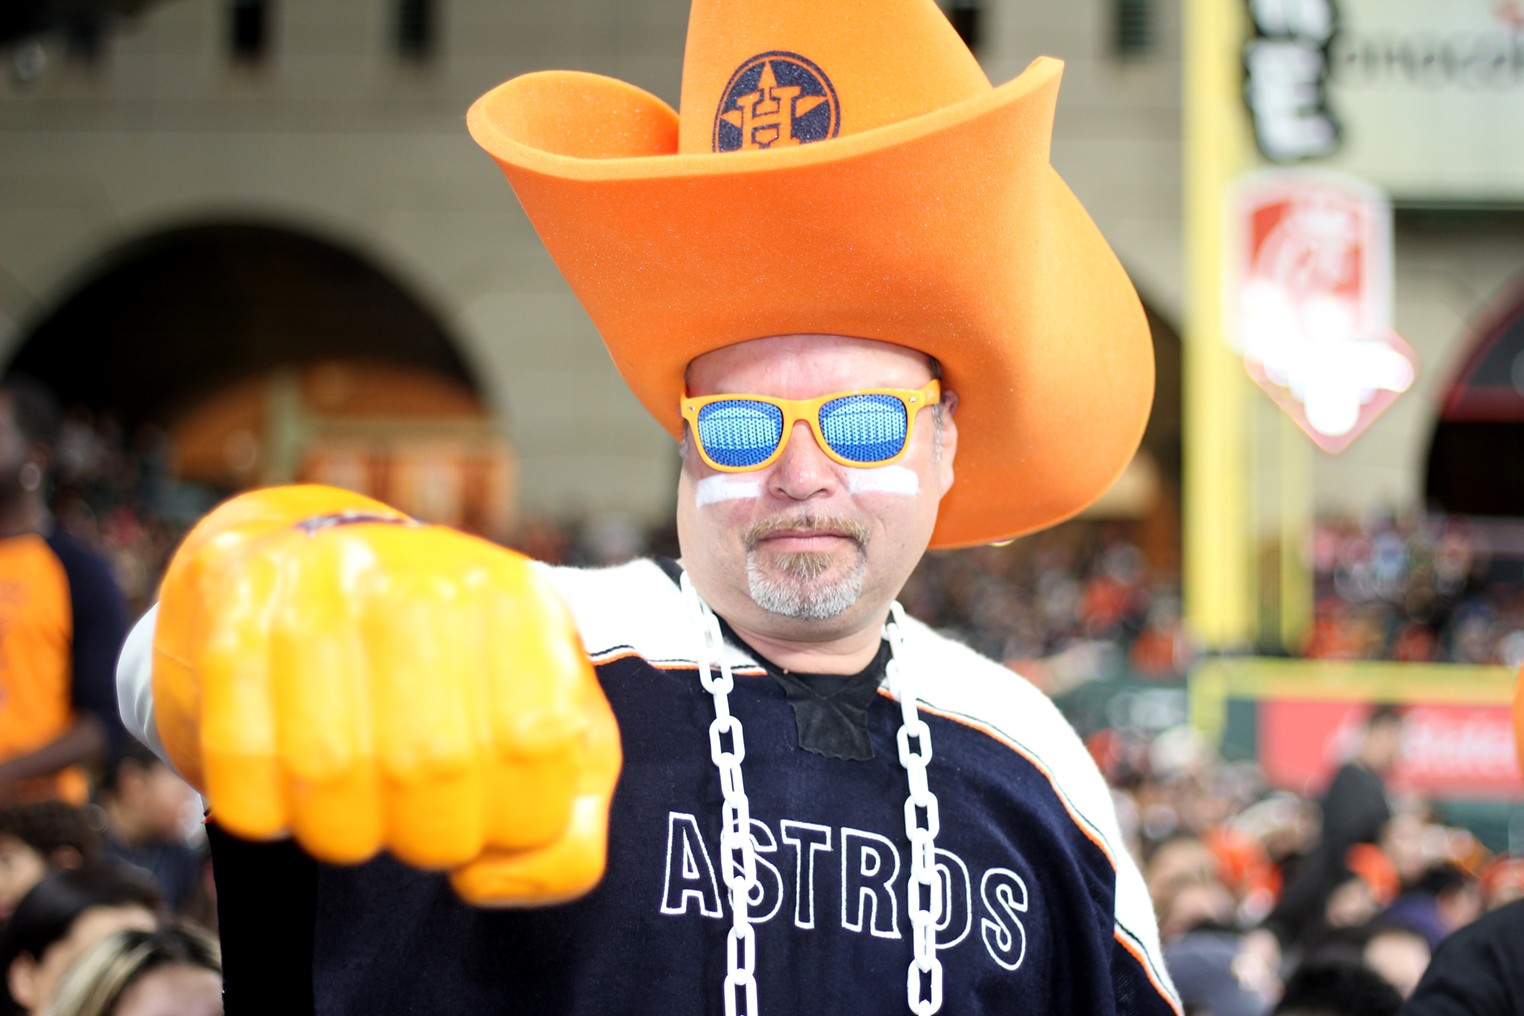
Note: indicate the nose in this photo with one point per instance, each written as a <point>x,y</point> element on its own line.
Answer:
<point>803,472</point>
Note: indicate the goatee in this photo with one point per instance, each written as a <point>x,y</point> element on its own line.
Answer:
<point>791,585</point>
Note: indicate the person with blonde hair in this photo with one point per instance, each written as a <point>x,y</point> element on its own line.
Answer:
<point>174,969</point>
<point>60,919</point>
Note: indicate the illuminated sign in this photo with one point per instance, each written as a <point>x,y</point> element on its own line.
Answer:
<point>1431,97</point>
<point>1285,78</point>
<point>1312,308</point>
<point>1448,750</point>
<point>1425,99</point>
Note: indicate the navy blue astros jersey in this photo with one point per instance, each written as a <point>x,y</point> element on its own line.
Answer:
<point>1044,911</point>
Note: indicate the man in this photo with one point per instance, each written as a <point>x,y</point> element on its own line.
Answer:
<point>62,620</point>
<point>1355,810</point>
<point>822,805</point>
<point>62,916</point>
<point>143,807</point>
<point>1355,807</point>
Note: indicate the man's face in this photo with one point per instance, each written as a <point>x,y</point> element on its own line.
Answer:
<point>40,978</point>
<point>163,802</point>
<point>1384,744</point>
<point>807,548</point>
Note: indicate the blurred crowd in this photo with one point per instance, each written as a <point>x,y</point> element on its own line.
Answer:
<point>1273,902</point>
<point>1265,899</point>
<point>1077,599</point>
<point>117,492</point>
<point>1429,589</point>
<point>108,909</point>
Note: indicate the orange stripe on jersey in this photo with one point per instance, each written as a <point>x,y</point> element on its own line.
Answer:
<point>1074,816</point>
<point>1136,953</point>
<point>1079,822</point>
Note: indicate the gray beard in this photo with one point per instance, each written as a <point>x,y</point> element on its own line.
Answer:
<point>791,589</point>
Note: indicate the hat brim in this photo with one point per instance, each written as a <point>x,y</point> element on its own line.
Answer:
<point>948,233</point>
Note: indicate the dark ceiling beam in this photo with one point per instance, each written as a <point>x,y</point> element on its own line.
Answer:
<point>23,20</point>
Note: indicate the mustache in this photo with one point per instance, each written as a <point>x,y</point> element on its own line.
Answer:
<point>834,525</point>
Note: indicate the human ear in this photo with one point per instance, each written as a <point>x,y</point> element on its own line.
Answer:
<point>949,439</point>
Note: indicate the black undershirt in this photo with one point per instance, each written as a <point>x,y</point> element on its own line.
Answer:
<point>830,710</point>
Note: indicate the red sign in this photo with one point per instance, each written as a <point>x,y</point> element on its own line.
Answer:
<point>1312,313</point>
<point>1447,750</point>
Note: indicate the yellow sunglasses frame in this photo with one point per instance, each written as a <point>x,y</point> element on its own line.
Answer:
<point>808,410</point>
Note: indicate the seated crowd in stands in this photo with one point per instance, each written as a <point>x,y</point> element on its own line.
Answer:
<point>116,888</point>
<point>1432,588</point>
<point>1219,854</point>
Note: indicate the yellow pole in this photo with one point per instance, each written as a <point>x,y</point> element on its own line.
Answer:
<point>1296,578</point>
<point>1217,576</point>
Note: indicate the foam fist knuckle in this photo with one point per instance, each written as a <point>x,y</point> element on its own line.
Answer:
<point>402,687</point>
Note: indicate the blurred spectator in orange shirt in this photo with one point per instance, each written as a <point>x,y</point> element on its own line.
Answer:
<point>62,621</point>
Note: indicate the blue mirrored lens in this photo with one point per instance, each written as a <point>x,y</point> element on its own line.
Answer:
<point>864,428</point>
<point>739,433</point>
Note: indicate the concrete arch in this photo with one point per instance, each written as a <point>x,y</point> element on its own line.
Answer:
<point>1162,444</point>
<point>160,321</point>
<point>1475,462</point>
<point>266,354</point>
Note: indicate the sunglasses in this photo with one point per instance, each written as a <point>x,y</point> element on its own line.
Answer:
<point>872,427</point>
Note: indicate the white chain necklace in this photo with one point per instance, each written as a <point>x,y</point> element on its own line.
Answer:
<point>738,857</point>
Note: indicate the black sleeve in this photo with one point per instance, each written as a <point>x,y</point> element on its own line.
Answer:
<point>100,628</point>
<point>1477,970</point>
<point>1354,808</point>
<point>266,907</point>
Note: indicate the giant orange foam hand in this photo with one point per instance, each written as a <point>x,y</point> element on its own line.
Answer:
<point>326,667</point>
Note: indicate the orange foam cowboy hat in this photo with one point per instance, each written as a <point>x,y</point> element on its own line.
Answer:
<point>845,167</point>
